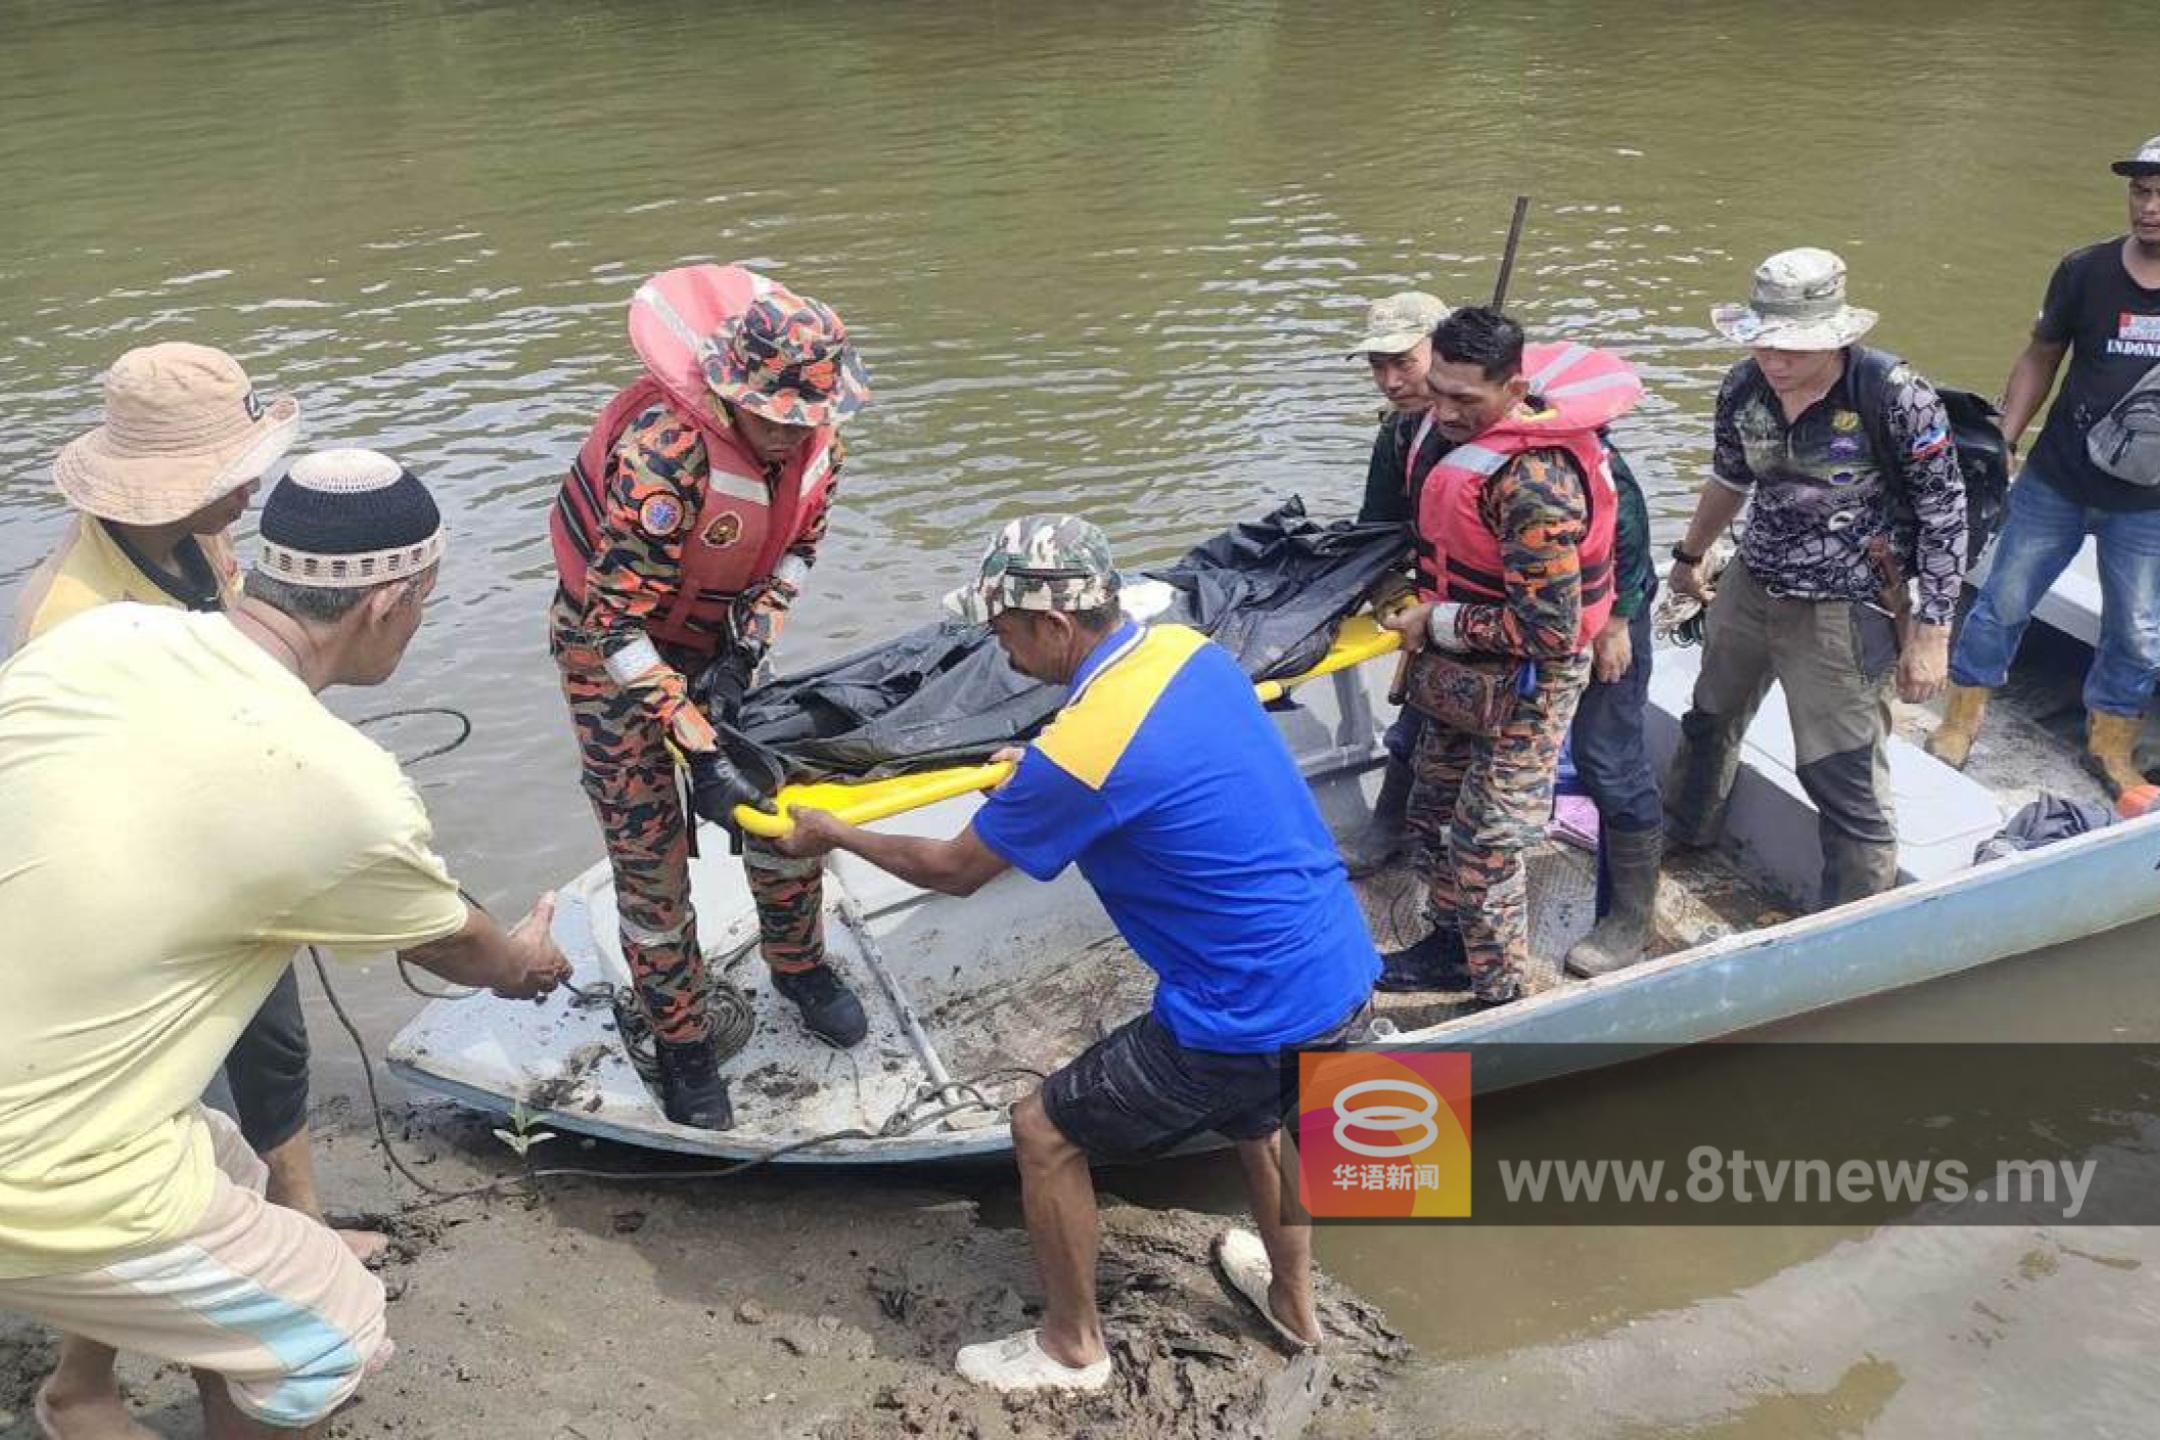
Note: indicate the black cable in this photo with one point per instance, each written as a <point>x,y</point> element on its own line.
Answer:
<point>367,1071</point>
<point>605,993</point>
<point>464,728</point>
<point>566,1172</point>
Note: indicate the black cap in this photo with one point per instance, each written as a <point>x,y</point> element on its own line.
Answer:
<point>2145,162</point>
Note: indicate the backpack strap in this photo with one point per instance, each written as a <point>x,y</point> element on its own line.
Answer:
<point>1871,369</point>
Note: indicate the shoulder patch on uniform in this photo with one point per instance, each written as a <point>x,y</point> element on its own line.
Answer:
<point>1933,440</point>
<point>660,516</point>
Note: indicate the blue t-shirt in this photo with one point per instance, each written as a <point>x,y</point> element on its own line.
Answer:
<point>1169,786</point>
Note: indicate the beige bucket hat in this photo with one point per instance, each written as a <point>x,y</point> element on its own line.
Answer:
<point>183,427</point>
<point>1395,323</point>
<point>1798,303</point>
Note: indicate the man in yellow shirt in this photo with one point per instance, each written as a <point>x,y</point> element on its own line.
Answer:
<point>155,488</point>
<point>182,814</point>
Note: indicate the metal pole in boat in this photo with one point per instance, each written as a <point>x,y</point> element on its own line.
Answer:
<point>873,957</point>
<point>1507,256</point>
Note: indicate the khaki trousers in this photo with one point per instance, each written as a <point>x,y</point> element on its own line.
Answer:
<point>1835,660</point>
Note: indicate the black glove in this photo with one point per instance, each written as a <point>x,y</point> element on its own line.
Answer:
<point>755,615</point>
<point>721,686</point>
<point>717,787</point>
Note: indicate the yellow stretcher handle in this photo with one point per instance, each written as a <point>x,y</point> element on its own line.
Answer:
<point>859,802</point>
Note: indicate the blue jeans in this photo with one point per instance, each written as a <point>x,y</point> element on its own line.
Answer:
<point>2040,537</point>
<point>1606,741</point>
<point>1401,735</point>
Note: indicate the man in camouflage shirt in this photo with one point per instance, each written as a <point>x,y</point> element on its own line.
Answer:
<point>1842,508</point>
<point>1397,347</point>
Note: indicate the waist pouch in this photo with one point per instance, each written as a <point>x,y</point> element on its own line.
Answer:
<point>2125,442</point>
<point>1474,696</point>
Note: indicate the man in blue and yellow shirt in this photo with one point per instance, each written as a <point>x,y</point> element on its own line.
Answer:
<point>1167,784</point>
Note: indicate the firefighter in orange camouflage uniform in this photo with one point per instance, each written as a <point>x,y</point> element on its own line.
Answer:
<point>684,531</point>
<point>1517,527</point>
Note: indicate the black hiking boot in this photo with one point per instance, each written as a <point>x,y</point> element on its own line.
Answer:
<point>828,1007</point>
<point>1436,962</point>
<point>1492,995</point>
<point>692,1091</point>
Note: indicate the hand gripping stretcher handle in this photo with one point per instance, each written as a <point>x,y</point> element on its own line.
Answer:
<point>1358,640</point>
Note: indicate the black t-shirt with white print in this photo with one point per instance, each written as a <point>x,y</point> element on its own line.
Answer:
<point>2112,326</point>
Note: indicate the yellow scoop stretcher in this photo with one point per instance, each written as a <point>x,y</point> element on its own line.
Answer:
<point>1357,640</point>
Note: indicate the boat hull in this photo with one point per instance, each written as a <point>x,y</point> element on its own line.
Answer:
<point>1027,974</point>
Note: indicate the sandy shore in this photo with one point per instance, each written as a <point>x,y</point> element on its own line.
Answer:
<point>767,1305</point>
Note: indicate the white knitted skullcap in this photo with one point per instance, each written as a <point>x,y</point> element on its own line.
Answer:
<point>345,472</point>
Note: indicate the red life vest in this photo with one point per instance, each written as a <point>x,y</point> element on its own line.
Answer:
<point>745,518</point>
<point>1574,391</point>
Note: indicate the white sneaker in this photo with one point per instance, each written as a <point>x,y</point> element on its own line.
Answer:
<point>1018,1362</point>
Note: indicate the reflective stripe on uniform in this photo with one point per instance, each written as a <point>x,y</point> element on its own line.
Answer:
<point>650,297</point>
<point>633,661</point>
<point>741,487</point>
<point>1476,459</point>
<point>1557,366</point>
<point>1592,385</point>
<point>639,935</point>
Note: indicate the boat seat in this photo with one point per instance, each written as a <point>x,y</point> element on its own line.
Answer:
<point>1941,814</point>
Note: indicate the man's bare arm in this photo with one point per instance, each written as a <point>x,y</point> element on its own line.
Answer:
<point>521,963</point>
<point>960,865</point>
<point>2027,388</point>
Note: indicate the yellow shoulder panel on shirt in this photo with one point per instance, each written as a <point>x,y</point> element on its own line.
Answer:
<point>1090,735</point>
<point>86,571</point>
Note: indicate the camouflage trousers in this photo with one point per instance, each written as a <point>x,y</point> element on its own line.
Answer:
<point>1479,802</point>
<point>630,777</point>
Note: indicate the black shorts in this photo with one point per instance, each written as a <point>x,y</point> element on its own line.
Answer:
<point>267,1069</point>
<point>1136,1092</point>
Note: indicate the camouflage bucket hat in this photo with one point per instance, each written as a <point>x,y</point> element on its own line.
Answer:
<point>1395,323</point>
<point>1797,303</point>
<point>788,358</point>
<point>1039,562</point>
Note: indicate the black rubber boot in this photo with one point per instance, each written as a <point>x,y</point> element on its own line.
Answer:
<point>1622,938</point>
<point>828,1007</point>
<point>1855,869</point>
<point>692,1090</point>
<point>1699,784</point>
<point>1436,962</point>
<point>1373,847</point>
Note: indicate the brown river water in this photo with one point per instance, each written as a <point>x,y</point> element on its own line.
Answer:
<point>1105,257</point>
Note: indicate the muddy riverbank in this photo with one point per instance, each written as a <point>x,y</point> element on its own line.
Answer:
<point>770,1305</point>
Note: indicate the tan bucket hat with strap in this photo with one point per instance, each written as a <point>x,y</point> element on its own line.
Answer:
<point>183,428</point>
<point>1797,303</point>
